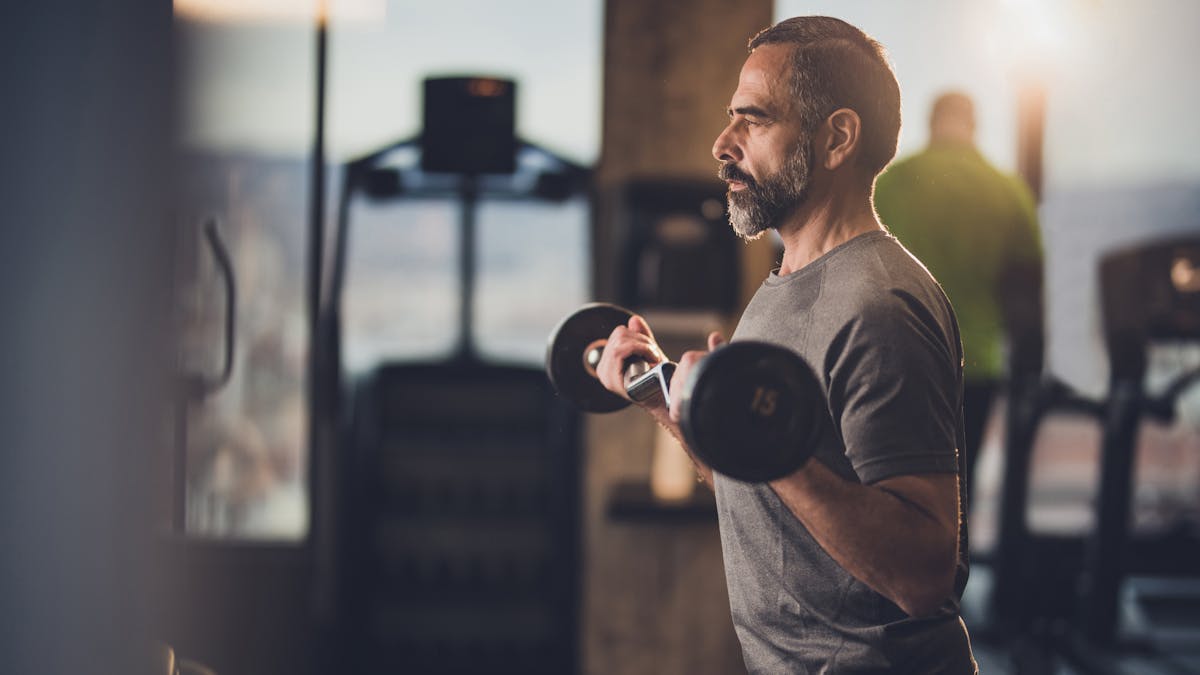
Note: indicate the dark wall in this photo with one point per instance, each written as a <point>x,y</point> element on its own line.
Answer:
<point>84,280</point>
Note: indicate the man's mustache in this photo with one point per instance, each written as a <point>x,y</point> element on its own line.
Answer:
<point>729,172</point>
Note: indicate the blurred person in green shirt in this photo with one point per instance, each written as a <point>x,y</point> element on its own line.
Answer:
<point>976,230</point>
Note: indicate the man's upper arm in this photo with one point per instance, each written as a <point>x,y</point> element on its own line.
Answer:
<point>894,394</point>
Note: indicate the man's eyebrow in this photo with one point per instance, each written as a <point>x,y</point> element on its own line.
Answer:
<point>752,110</point>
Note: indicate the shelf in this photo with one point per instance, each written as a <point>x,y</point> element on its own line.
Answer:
<point>634,502</point>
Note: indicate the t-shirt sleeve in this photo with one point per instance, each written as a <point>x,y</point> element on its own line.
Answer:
<point>893,391</point>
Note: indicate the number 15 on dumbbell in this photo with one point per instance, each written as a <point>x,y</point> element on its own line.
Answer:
<point>749,410</point>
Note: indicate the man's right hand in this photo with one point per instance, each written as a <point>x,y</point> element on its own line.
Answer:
<point>629,342</point>
<point>635,340</point>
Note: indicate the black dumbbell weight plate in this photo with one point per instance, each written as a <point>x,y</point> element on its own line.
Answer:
<point>749,411</point>
<point>566,356</point>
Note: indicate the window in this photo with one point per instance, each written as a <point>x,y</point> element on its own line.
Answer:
<point>534,269</point>
<point>247,128</point>
<point>247,105</point>
<point>401,297</point>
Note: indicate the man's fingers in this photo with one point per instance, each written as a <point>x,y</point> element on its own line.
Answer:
<point>686,363</point>
<point>638,325</point>
<point>715,339</point>
<point>625,344</point>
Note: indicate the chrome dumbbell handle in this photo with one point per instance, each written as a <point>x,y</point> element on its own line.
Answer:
<point>643,382</point>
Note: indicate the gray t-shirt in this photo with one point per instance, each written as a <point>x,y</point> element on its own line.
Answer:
<point>881,336</point>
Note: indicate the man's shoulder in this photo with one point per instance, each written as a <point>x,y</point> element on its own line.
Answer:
<point>908,161</point>
<point>900,172</point>
<point>885,283</point>
<point>871,279</point>
<point>919,162</point>
<point>938,162</point>
<point>877,261</point>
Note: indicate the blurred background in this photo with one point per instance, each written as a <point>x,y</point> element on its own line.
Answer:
<point>275,398</point>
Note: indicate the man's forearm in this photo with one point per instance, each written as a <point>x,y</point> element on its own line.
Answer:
<point>898,536</point>
<point>663,418</point>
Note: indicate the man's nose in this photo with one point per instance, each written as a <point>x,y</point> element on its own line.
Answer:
<point>725,148</point>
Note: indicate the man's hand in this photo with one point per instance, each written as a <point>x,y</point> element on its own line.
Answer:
<point>636,341</point>
<point>632,341</point>
<point>686,363</point>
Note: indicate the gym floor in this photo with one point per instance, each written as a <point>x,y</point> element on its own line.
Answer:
<point>1062,488</point>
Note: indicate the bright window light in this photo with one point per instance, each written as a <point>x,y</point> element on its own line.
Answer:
<point>244,11</point>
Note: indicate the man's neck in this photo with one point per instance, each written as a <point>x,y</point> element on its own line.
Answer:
<point>823,223</point>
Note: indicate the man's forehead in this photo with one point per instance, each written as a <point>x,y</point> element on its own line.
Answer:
<point>764,77</point>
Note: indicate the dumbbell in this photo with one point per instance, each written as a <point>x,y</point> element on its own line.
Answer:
<point>750,410</point>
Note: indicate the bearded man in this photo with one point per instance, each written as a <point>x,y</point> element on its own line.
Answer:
<point>856,562</point>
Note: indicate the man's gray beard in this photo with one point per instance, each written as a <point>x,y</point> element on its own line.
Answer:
<point>763,205</point>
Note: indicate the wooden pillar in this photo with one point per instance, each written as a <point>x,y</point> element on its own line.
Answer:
<point>655,599</point>
<point>1031,125</point>
<point>669,71</point>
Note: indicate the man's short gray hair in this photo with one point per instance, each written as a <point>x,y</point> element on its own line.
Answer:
<point>835,65</point>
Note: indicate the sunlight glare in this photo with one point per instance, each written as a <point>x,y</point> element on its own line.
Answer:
<point>243,11</point>
<point>1032,36</point>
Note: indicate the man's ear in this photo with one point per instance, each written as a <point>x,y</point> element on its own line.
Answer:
<point>842,138</point>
